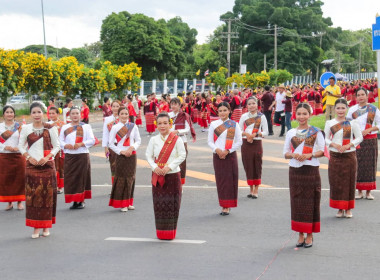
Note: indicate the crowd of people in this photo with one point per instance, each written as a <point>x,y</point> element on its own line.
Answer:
<point>42,159</point>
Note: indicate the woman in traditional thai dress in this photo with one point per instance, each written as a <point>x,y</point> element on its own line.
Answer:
<point>60,157</point>
<point>131,108</point>
<point>124,140</point>
<point>12,171</point>
<point>165,152</point>
<point>150,113</point>
<point>163,105</point>
<point>254,127</point>
<point>139,106</point>
<point>182,125</point>
<point>66,110</point>
<point>108,123</point>
<point>342,138</point>
<point>76,138</point>
<point>39,144</point>
<point>303,146</point>
<point>224,138</point>
<point>85,111</point>
<point>368,118</point>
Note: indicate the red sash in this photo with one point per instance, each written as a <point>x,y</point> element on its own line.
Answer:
<point>111,124</point>
<point>179,123</point>
<point>163,158</point>
<point>8,133</point>
<point>125,131</point>
<point>256,121</point>
<point>230,126</point>
<point>346,126</point>
<point>78,129</point>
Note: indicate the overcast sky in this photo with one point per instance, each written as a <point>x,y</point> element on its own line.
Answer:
<point>71,23</point>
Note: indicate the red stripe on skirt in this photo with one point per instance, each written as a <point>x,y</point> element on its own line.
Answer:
<point>166,234</point>
<point>78,197</point>
<point>236,115</point>
<point>342,204</point>
<point>12,198</point>
<point>120,203</point>
<point>306,227</point>
<point>39,224</point>
<point>150,118</point>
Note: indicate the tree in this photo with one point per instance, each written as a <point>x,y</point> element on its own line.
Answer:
<point>300,25</point>
<point>82,55</point>
<point>11,73</point>
<point>70,71</point>
<point>95,49</point>
<point>137,38</point>
<point>37,72</point>
<point>218,78</point>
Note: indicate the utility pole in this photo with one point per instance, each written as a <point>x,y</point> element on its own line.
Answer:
<point>229,48</point>
<point>275,47</point>
<point>339,61</point>
<point>320,46</point>
<point>265,62</point>
<point>230,35</point>
<point>360,60</point>
<point>43,25</point>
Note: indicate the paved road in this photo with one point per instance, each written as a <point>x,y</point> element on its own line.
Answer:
<point>239,246</point>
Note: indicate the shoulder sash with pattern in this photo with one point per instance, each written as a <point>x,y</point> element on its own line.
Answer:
<point>111,124</point>
<point>256,120</point>
<point>163,158</point>
<point>180,123</point>
<point>371,110</point>
<point>79,132</point>
<point>230,126</point>
<point>126,130</point>
<point>310,139</point>
<point>346,126</point>
<point>8,133</point>
<point>47,145</point>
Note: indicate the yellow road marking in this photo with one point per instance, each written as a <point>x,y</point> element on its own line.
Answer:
<point>189,173</point>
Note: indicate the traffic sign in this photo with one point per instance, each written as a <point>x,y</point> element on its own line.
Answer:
<point>324,80</point>
<point>376,35</point>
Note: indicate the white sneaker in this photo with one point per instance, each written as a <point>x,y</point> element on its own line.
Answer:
<point>125,209</point>
<point>131,207</point>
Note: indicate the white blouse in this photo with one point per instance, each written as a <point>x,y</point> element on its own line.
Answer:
<point>221,141</point>
<point>11,141</point>
<point>106,132</point>
<point>319,145</point>
<point>66,118</point>
<point>356,135</point>
<point>181,132</point>
<point>134,137</point>
<point>362,120</point>
<point>177,156</point>
<point>88,139</point>
<point>263,129</point>
<point>36,151</point>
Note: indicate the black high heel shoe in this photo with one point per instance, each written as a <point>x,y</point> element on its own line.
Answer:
<point>298,245</point>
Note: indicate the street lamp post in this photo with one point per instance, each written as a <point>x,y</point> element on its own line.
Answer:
<point>43,25</point>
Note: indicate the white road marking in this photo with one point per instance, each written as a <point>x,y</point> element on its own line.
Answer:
<point>181,241</point>
<point>214,187</point>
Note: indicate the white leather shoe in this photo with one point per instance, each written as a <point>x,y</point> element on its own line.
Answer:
<point>131,207</point>
<point>125,209</point>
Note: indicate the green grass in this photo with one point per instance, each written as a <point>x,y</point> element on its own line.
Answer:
<point>317,121</point>
<point>22,112</point>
